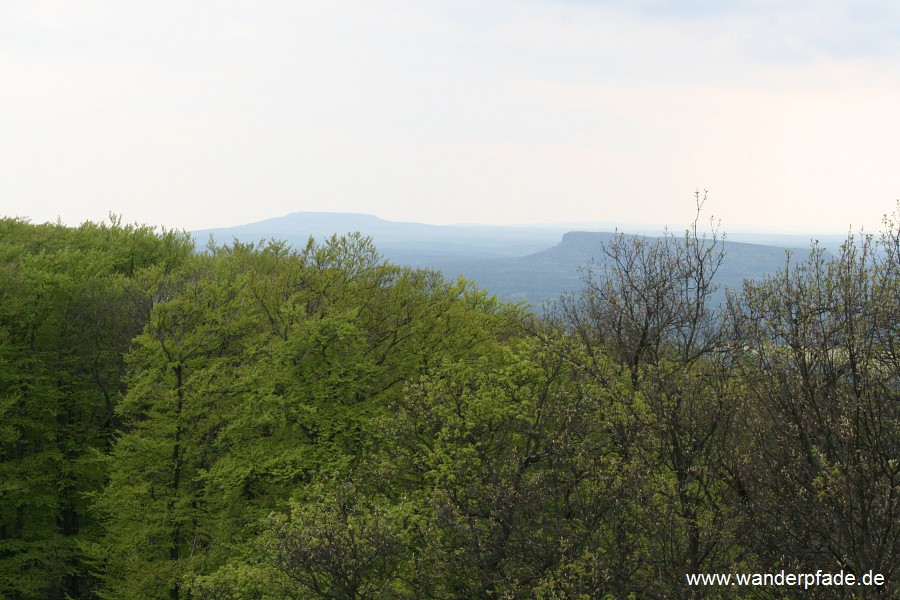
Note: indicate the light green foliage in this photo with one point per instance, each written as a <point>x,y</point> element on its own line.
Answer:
<point>513,459</point>
<point>261,370</point>
<point>65,320</point>
<point>340,543</point>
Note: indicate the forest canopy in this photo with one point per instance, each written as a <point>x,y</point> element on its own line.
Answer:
<point>261,421</point>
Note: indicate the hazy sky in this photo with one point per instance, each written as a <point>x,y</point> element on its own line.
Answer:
<point>196,114</point>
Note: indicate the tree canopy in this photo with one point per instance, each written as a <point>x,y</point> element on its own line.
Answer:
<point>260,421</point>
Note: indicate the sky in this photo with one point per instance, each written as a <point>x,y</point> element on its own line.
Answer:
<point>201,113</point>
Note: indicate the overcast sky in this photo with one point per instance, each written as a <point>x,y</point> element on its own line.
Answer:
<point>195,114</point>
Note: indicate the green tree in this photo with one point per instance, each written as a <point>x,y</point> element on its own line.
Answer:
<point>261,371</point>
<point>510,461</point>
<point>65,321</point>
<point>817,346</point>
<point>650,305</point>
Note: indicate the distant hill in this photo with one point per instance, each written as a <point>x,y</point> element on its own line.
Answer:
<point>394,238</point>
<point>533,264</point>
<point>543,276</point>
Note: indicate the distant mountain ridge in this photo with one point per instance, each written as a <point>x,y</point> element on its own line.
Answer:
<point>533,264</point>
<point>395,236</point>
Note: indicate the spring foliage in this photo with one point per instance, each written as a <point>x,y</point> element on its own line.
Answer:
<point>256,421</point>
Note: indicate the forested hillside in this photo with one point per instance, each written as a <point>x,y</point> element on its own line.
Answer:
<point>263,422</point>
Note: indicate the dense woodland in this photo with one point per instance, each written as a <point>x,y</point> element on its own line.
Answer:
<point>256,421</point>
